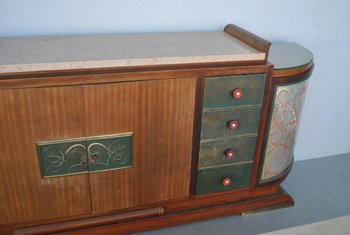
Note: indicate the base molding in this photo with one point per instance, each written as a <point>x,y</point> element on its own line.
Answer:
<point>98,221</point>
<point>150,219</point>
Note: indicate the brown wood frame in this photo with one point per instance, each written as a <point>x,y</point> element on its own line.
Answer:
<point>142,76</point>
<point>181,210</point>
<point>76,78</point>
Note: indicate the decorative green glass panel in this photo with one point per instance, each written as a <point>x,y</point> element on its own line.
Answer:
<point>213,153</point>
<point>218,91</point>
<point>63,157</point>
<point>210,180</point>
<point>74,156</point>
<point>215,124</point>
<point>109,152</point>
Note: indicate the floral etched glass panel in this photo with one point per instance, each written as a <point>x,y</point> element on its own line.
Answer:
<point>283,129</point>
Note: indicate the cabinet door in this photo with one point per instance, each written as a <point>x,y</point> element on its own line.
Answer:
<point>28,116</point>
<point>160,116</point>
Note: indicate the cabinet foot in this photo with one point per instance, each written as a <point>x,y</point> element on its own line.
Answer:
<point>278,200</point>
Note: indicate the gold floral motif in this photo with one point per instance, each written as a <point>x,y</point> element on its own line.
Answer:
<point>58,160</point>
<point>81,155</point>
<point>116,152</point>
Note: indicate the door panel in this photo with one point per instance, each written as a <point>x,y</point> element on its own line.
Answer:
<point>28,116</point>
<point>160,116</point>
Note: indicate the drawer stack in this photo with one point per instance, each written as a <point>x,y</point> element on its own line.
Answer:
<point>230,122</point>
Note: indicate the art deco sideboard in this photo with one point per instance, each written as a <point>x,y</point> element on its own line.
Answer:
<point>112,134</point>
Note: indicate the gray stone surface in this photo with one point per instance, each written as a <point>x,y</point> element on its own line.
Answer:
<point>321,191</point>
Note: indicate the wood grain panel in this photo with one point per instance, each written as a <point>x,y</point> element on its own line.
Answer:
<point>26,117</point>
<point>160,114</point>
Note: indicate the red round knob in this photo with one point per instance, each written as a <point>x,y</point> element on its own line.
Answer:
<point>233,125</point>
<point>230,154</point>
<point>237,93</point>
<point>226,181</point>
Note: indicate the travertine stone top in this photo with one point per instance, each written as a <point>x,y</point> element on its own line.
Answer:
<point>24,54</point>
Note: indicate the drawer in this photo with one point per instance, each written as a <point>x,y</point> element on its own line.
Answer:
<point>223,178</point>
<point>233,122</point>
<point>227,151</point>
<point>228,91</point>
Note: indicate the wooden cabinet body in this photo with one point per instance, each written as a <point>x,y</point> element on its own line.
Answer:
<point>28,116</point>
<point>197,146</point>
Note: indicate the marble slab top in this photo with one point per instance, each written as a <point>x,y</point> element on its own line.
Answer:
<point>26,54</point>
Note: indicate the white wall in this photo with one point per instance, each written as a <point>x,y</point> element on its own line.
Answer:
<point>322,26</point>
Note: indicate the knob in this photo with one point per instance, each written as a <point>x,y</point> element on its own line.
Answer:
<point>233,125</point>
<point>230,154</point>
<point>226,181</point>
<point>237,93</point>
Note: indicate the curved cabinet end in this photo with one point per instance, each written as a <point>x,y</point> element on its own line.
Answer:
<point>289,87</point>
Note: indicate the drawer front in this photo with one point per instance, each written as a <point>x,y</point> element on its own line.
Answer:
<point>214,179</point>
<point>228,91</point>
<point>227,151</point>
<point>217,124</point>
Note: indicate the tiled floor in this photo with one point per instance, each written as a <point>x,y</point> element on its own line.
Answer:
<point>321,191</point>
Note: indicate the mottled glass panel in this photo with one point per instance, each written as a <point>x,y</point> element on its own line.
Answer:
<point>288,103</point>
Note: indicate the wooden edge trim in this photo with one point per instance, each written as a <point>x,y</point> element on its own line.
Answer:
<point>70,80</point>
<point>91,222</point>
<point>109,70</point>
<point>274,207</point>
<point>262,126</point>
<point>168,207</point>
<point>220,198</point>
<point>197,123</point>
<point>249,38</point>
<point>198,214</point>
<point>281,73</point>
<point>295,77</point>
